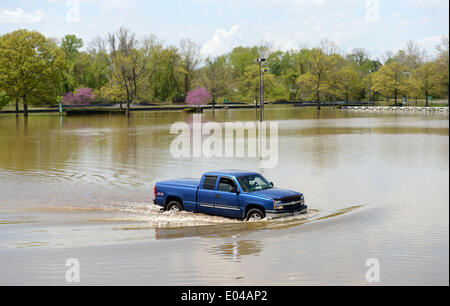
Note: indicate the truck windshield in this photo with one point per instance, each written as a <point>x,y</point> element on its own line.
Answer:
<point>253,183</point>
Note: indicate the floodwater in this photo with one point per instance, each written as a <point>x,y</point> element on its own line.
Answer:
<point>82,187</point>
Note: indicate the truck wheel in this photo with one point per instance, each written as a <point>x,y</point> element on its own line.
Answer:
<point>174,206</point>
<point>255,214</point>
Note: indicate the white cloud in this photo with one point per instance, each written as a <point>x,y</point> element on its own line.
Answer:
<point>221,42</point>
<point>20,16</point>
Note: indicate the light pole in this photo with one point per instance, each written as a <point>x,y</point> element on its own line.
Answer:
<point>261,60</point>
<point>263,84</point>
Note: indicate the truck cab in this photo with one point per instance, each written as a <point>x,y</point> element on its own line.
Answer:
<point>235,194</point>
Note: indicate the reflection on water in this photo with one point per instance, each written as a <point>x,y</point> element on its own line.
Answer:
<point>377,186</point>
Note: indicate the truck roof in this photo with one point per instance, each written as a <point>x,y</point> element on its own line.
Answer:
<point>235,173</point>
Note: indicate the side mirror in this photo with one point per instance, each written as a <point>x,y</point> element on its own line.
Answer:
<point>272,184</point>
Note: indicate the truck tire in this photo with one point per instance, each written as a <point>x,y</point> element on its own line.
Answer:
<point>174,206</point>
<point>255,214</point>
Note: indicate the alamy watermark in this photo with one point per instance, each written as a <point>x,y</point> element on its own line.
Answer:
<point>217,140</point>
<point>73,12</point>
<point>73,273</point>
<point>373,11</point>
<point>373,273</point>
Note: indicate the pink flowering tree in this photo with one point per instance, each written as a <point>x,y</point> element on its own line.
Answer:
<point>198,96</point>
<point>82,97</point>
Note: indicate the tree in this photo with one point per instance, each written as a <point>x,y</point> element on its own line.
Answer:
<point>241,58</point>
<point>129,58</point>
<point>414,55</point>
<point>348,83</point>
<point>217,77</point>
<point>360,56</point>
<point>329,47</point>
<point>190,57</point>
<point>250,83</point>
<point>198,96</point>
<point>442,64</point>
<point>425,81</point>
<point>82,97</point>
<point>317,80</point>
<point>390,80</point>
<point>30,67</point>
<point>71,46</point>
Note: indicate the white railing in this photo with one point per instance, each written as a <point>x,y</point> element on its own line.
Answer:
<point>397,109</point>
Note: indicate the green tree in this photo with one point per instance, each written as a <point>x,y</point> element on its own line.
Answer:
<point>316,82</point>
<point>425,80</point>
<point>391,80</point>
<point>442,65</point>
<point>71,46</point>
<point>30,67</point>
<point>348,83</point>
<point>129,59</point>
<point>217,77</point>
<point>241,58</point>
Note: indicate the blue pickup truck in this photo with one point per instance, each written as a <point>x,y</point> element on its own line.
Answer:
<point>236,194</point>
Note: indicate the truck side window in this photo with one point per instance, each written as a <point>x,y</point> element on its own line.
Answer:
<point>226,184</point>
<point>210,182</point>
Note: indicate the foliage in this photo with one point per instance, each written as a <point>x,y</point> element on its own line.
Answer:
<point>391,80</point>
<point>4,100</point>
<point>30,67</point>
<point>121,68</point>
<point>82,97</point>
<point>198,96</point>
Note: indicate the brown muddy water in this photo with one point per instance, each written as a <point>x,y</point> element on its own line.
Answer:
<point>82,187</point>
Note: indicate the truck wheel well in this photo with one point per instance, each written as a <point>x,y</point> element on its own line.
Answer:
<point>251,206</point>
<point>172,198</point>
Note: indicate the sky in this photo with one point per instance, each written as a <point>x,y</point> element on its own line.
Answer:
<point>220,25</point>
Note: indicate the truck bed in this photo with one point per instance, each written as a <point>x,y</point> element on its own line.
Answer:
<point>194,183</point>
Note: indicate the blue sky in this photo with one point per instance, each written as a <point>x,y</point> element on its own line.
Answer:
<point>219,25</point>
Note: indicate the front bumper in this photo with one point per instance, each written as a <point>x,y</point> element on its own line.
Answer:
<point>274,214</point>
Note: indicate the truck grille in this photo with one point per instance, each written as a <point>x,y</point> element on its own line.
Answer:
<point>291,199</point>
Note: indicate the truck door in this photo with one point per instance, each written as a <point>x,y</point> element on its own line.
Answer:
<point>206,195</point>
<point>227,199</point>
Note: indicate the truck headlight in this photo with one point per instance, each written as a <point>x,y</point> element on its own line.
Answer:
<point>277,202</point>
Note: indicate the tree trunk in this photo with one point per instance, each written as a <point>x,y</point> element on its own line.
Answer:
<point>128,112</point>
<point>17,107</point>
<point>214,102</point>
<point>346,96</point>
<point>121,107</point>
<point>25,109</point>
<point>396,97</point>
<point>318,100</point>
<point>426,99</point>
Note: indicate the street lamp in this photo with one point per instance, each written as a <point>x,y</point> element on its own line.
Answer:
<point>261,60</point>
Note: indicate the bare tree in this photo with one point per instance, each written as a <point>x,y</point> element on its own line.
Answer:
<point>264,48</point>
<point>190,55</point>
<point>415,55</point>
<point>329,47</point>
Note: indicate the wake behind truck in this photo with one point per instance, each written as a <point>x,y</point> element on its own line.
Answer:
<point>235,194</point>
